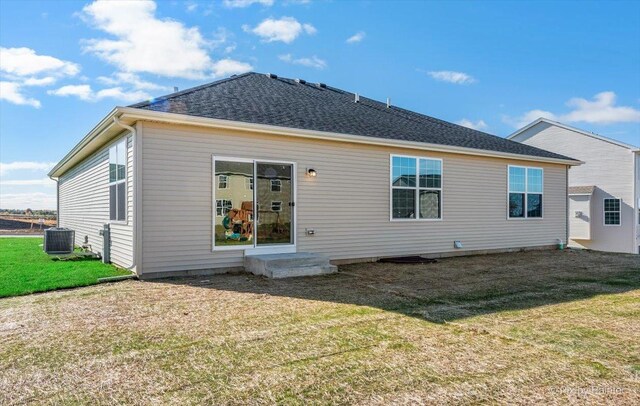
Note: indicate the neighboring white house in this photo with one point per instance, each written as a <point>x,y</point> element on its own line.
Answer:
<point>604,193</point>
<point>194,181</point>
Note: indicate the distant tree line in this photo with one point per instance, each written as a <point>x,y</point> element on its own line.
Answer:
<point>28,212</point>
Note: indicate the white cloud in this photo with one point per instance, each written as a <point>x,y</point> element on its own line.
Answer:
<point>191,6</point>
<point>246,3</point>
<point>84,92</point>
<point>478,125</point>
<point>145,43</point>
<point>459,78</point>
<point>6,167</point>
<point>45,81</point>
<point>25,62</point>
<point>226,67</point>
<point>312,62</point>
<point>286,29</point>
<point>132,79</point>
<point>29,182</point>
<point>600,110</point>
<point>357,37</point>
<point>11,92</point>
<point>35,200</point>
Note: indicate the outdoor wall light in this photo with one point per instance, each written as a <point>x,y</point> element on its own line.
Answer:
<point>312,172</point>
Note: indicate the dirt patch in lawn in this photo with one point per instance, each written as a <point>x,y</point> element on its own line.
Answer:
<point>552,327</point>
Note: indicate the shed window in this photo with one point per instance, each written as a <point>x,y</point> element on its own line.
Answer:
<point>223,206</point>
<point>525,192</point>
<point>611,212</point>
<point>118,181</point>
<point>416,188</point>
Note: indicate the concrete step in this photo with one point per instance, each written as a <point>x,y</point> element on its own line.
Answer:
<point>288,265</point>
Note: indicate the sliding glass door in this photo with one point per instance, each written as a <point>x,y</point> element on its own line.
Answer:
<point>274,202</point>
<point>253,203</point>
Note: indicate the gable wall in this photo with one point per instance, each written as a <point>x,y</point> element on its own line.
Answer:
<point>608,166</point>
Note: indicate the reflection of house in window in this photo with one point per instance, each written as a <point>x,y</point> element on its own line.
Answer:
<point>276,206</point>
<point>248,183</point>
<point>276,185</point>
<point>223,182</point>
<point>223,206</point>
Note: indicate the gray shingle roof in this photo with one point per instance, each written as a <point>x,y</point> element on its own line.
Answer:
<point>581,190</point>
<point>261,99</point>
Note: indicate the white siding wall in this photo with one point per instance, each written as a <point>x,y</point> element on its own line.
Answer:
<point>580,227</point>
<point>608,166</point>
<point>84,204</point>
<point>347,204</point>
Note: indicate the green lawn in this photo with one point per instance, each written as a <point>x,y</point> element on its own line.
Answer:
<point>25,268</point>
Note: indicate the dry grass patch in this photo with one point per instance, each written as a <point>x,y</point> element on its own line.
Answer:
<point>551,327</point>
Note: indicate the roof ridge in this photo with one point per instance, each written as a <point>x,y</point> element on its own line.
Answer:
<point>192,89</point>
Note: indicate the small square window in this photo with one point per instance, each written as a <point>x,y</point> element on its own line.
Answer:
<point>276,185</point>
<point>276,206</point>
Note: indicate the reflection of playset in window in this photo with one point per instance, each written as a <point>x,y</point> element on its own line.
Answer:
<point>238,223</point>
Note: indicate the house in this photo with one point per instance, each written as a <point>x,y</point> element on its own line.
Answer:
<point>194,181</point>
<point>604,193</point>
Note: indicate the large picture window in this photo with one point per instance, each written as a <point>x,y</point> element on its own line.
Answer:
<point>416,188</point>
<point>118,181</point>
<point>525,192</point>
<point>611,212</point>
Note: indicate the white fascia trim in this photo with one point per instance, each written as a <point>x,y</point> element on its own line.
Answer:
<point>102,126</point>
<point>570,128</point>
<point>129,113</point>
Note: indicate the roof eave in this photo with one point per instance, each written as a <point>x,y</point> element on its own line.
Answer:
<point>134,114</point>
<point>570,128</point>
<point>78,152</point>
<point>107,129</point>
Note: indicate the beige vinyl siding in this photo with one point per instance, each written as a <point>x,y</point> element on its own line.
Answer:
<point>84,204</point>
<point>609,167</point>
<point>347,204</point>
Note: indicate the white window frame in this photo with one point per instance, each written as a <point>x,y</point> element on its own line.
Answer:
<point>277,182</point>
<point>526,192</point>
<point>226,182</point>
<point>222,207</point>
<point>257,249</point>
<point>605,211</point>
<point>417,188</point>
<point>279,204</point>
<point>248,183</point>
<point>125,143</point>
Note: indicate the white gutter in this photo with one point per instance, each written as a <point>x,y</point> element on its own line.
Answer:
<point>134,114</point>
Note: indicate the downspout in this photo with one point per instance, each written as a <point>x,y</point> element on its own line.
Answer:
<point>134,138</point>
<point>57,200</point>
<point>566,205</point>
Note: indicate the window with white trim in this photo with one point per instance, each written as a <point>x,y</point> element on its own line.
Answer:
<point>118,181</point>
<point>276,185</point>
<point>416,188</point>
<point>611,212</point>
<point>526,187</point>
<point>248,183</point>
<point>223,182</point>
<point>223,206</point>
<point>276,206</point>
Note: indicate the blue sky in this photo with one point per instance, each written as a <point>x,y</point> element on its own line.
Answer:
<point>491,65</point>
